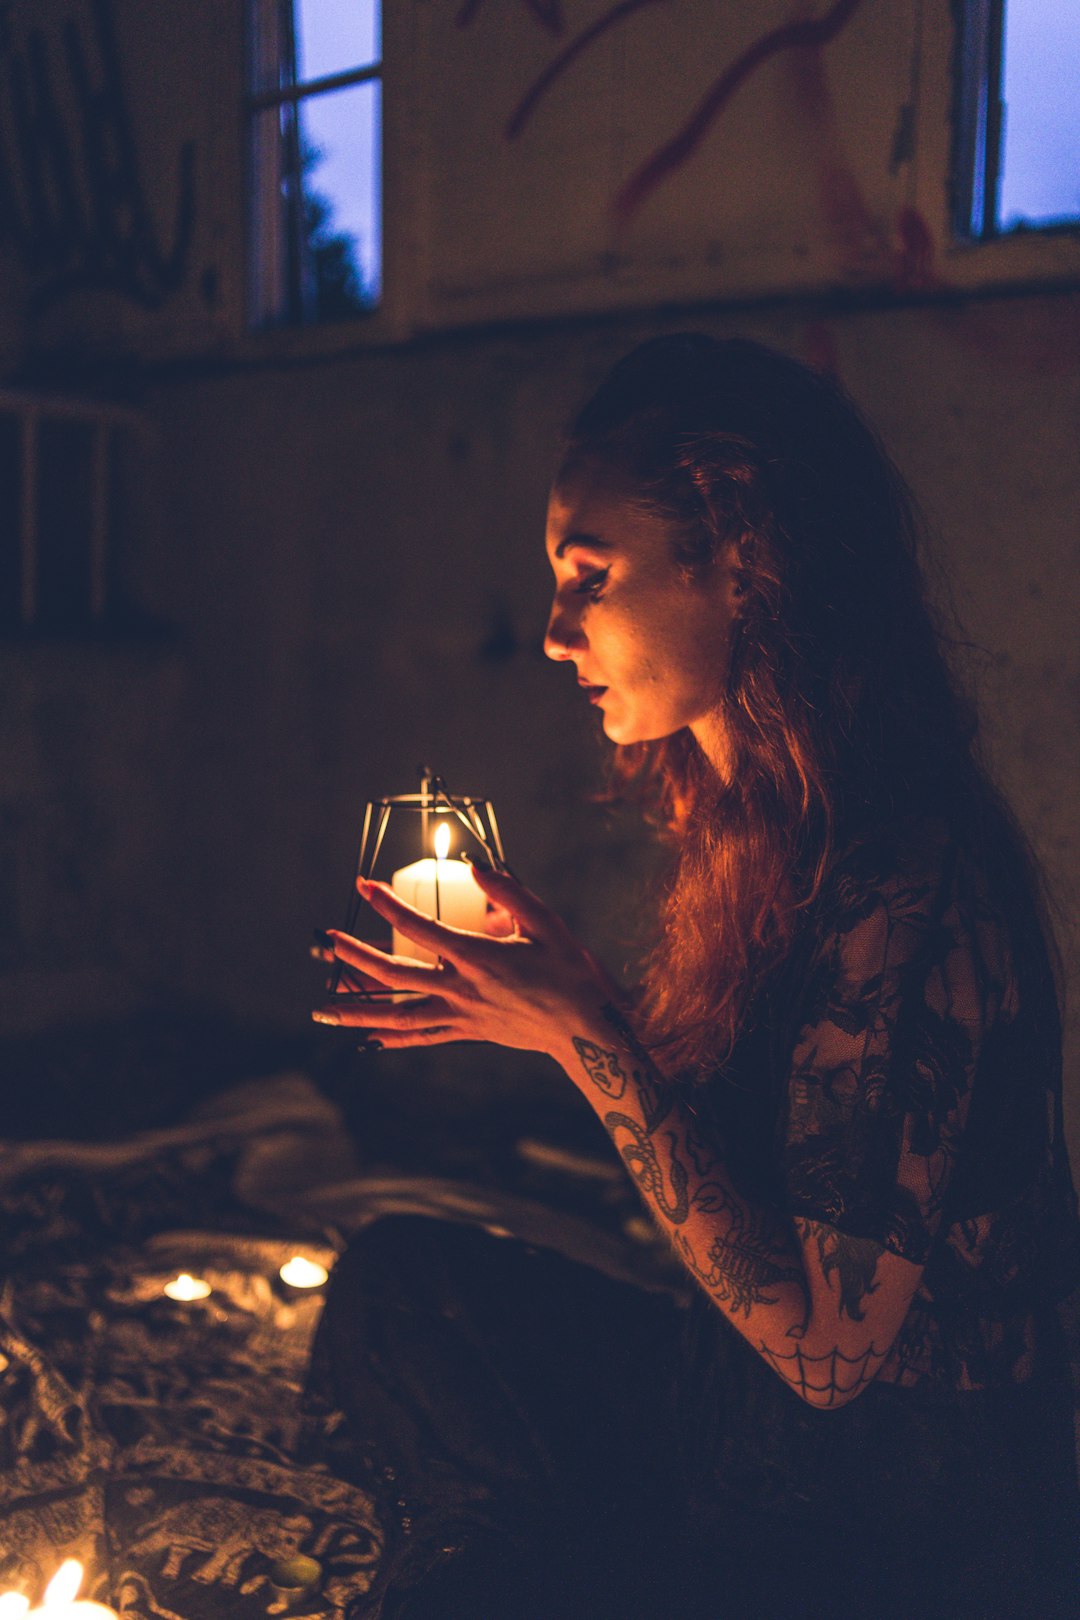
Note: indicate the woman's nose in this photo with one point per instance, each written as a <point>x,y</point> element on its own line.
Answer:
<point>563,633</point>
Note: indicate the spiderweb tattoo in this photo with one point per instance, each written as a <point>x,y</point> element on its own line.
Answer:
<point>826,1380</point>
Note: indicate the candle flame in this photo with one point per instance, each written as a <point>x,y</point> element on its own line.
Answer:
<point>442,841</point>
<point>300,1272</point>
<point>13,1604</point>
<point>187,1287</point>
<point>65,1584</point>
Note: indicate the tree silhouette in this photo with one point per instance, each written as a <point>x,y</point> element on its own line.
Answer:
<point>337,287</point>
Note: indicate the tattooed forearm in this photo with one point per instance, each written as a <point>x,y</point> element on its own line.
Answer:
<point>852,1261</point>
<point>656,1099</point>
<point>642,1159</point>
<point>745,1264</point>
<point>704,1152</point>
<point>616,1017</point>
<point>602,1067</point>
<point>807,1298</point>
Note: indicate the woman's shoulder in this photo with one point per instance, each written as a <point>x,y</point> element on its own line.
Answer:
<point>978,855</point>
<point>907,857</point>
<point>926,871</point>
<point>969,876</point>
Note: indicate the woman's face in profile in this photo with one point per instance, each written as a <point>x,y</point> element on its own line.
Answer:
<point>650,646</point>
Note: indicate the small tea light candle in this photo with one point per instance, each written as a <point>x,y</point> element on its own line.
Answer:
<point>300,1272</point>
<point>13,1605</point>
<point>294,1577</point>
<point>59,1602</point>
<point>186,1287</point>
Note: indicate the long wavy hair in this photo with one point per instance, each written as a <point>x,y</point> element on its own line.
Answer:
<point>843,713</point>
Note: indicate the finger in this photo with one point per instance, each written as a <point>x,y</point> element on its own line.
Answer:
<point>350,981</point>
<point>346,980</point>
<point>343,978</point>
<point>456,944</point>
<point>397,972</point>
<point>498,922</point>
<point>527,909</point>
<point>436,1035</point>
<point>382,1016</point>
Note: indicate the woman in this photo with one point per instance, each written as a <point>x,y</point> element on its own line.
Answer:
<point>838,1090</point>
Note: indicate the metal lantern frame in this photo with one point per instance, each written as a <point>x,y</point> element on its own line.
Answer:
<point>434,800</point>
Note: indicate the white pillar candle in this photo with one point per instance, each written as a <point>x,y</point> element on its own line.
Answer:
<point>461,901</point>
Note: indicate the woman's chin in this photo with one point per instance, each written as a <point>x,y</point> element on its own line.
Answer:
<point>622,734</point>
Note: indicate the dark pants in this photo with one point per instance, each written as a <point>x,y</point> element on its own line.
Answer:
<point>505,1393</point>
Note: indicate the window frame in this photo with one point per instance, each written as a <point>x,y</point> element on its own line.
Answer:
<point>979,130</point>
<point>105,423</point>
<point>274,21</point>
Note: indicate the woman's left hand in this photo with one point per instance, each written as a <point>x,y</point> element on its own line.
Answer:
<point>521,991</point>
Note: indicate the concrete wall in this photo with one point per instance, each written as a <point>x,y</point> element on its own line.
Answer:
<point>344,528</point>
<point>368,540</point>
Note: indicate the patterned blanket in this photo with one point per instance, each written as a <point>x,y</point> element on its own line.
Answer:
<point>165,1443</point>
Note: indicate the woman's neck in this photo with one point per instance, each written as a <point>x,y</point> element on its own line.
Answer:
<point>713,738</point>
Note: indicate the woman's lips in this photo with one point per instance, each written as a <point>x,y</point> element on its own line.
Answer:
<point>593,693</point>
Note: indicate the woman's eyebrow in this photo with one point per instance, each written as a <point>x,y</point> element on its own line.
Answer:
<point>591,542</point>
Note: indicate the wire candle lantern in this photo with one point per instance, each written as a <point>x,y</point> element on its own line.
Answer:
<point>424,821</point>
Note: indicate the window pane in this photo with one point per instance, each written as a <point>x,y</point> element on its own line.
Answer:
<point>342,197</point>
<point>316,207</point>
<point>1040,173</point>
<point>332,35</point>
<point>65,518</point>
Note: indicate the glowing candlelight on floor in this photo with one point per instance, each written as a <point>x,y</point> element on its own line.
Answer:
<point>59,1602</point>
<point>300,1272</point>
<point>439,888</point>
<point>186,1287</point>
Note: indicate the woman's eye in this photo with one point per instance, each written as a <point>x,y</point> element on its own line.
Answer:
<point>592,585</point>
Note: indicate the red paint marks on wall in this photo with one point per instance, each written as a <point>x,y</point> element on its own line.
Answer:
<point>868,252</point>
<point>802,33</point>
<point>565,59</point>
<point>858,238</point>
<point>913,265</point>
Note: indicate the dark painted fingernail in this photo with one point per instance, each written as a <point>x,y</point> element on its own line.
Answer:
<point>371,1044</point>
<point>321,937</point>
<point>479,860</point>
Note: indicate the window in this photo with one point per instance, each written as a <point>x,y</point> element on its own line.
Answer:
<point>315,117</point>
<point>1018,117</point>
<point>60,509</point>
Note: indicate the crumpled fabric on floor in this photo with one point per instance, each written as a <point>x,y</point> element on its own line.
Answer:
<point>158,1441</point>
<point>163,1443</point>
